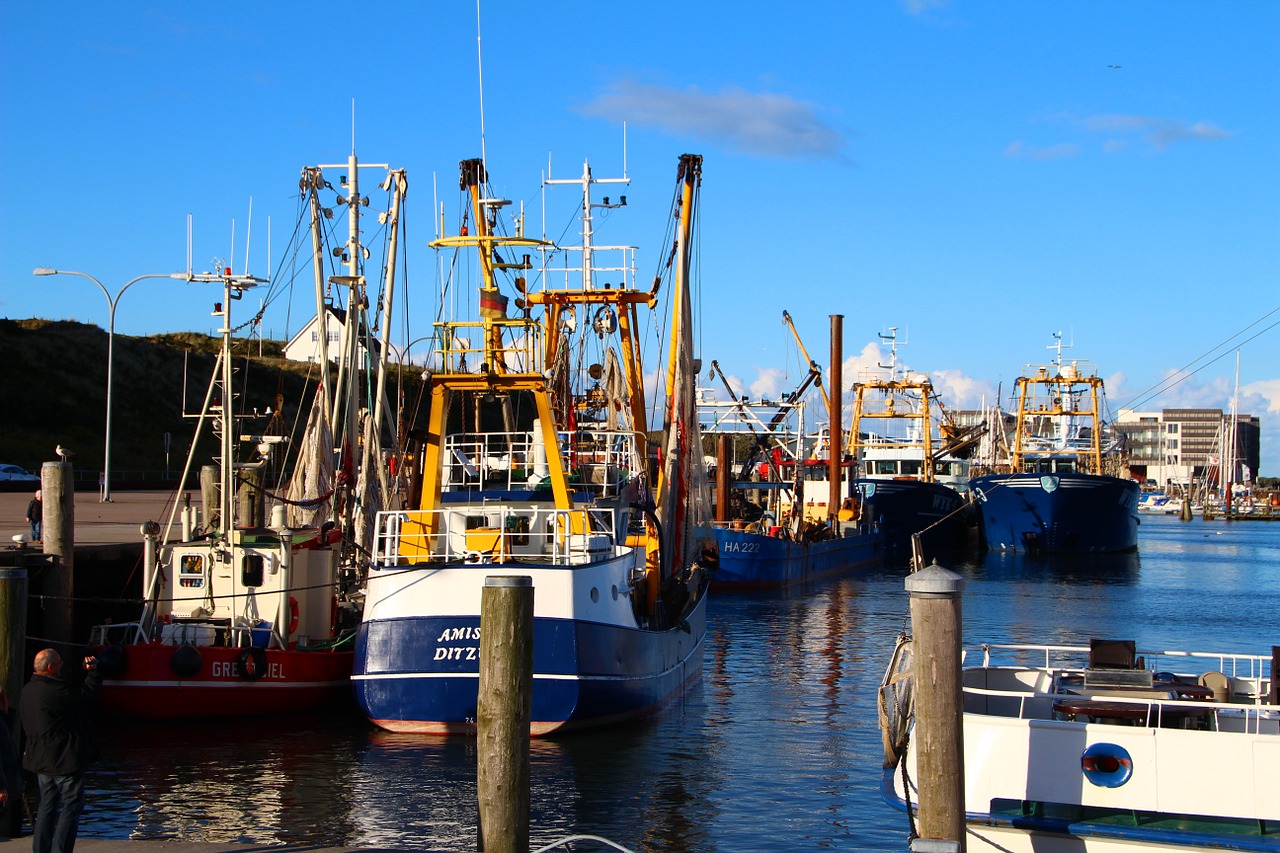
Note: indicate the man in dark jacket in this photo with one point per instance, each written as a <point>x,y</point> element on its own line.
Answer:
<point>54,717</point>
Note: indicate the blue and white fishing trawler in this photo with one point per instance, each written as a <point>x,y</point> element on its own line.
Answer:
<point>1065,491</point>
<point>537,463</point>
<point>909,481</point>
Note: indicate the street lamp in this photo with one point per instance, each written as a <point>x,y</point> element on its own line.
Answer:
<point>111,335</point>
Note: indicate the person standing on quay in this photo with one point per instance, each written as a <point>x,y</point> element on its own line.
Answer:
<point>54,719</point>
<point>35,516</point>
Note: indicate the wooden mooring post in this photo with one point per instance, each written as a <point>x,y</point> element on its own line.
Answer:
<point>939,729</point>
<point>503,713</point>
<point>59,539</point>
<point>13,629</point>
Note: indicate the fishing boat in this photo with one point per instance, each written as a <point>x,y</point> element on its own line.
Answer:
<point>1108,747</point>
<point>537,463</point>
<point>251,610</point>
<point>763,543</point>
<point>1062,492</point>
<point>907,479</point>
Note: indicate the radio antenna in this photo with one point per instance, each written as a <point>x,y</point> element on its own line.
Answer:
<point>248,236</point>
<point>480,75</point>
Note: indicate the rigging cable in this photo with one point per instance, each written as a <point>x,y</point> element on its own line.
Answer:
<point>1182,374</point>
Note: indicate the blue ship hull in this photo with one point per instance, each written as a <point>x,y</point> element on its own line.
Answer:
<point>1066,513</point>
<point>421,674</point>
<point>758,561</point>
<point>905,507</point>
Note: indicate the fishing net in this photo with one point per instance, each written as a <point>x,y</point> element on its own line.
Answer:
<point>897,701</point>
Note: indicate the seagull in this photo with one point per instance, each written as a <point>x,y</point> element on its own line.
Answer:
<point>65,453</point>
<point>1114,67</point>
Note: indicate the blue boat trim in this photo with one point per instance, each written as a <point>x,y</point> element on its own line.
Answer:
<point>1268,843</point>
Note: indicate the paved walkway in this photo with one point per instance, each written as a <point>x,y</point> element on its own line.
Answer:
<point>96,523</point>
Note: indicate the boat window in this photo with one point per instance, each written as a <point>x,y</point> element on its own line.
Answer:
<point>886,467</point>
<point>911,466</point>
<point>191,571</point>
<point>251,573</point>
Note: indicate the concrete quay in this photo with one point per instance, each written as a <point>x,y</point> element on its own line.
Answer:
<point>97,524</point>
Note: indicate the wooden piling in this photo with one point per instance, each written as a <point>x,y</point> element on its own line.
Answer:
<point>939,730</point>
<point>835,408</point>
<point>13,629</point>
<point>59,539</point>
<point>723,476</point>
<point>503,713</point>
<point>252,512</point>
<point>209,486</point>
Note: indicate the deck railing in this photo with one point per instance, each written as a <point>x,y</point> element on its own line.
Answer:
<point>493,532</point>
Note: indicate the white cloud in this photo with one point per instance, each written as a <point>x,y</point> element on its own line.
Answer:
<point>1157,131</point>
<point>1120,132</point>
<point>769,383</point>
<point>919,7</point>
<point>753,122</point>
<point>1266,391</point>
<point>1019,150</point>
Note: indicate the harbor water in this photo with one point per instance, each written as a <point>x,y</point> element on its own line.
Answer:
<point>777,748</point>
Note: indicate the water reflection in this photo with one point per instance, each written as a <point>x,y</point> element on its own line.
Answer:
<point>220,781</point>
<point>776,748</point>
<point>1123,568</point>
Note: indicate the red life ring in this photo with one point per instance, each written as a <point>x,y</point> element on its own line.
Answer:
<point>293,614</point>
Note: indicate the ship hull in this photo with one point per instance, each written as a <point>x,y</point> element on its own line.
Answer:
<point>417,667</point>
<point>759,561</point>
<point>903,508</point>
<point>1066,513</point>
<point>145,684</point>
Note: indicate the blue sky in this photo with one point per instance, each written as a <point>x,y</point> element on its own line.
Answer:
<point>979,175</point>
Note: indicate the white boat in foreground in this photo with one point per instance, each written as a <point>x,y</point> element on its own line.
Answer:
<point>1067,751</point>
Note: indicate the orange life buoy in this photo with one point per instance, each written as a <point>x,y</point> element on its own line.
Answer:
<point>293,614</point>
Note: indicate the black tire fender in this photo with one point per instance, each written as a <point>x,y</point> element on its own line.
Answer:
<point>253,663</point>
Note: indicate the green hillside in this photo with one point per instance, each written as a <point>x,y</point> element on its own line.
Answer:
<point>53,391</point>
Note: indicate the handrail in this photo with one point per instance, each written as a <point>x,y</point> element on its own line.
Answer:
<point>1254,712</point>
<point>1256,663</point>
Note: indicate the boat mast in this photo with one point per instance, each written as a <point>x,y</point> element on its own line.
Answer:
<point>899,387</point>
<point>312,181</point>
<point>679,486</point>
<point>397,181</point>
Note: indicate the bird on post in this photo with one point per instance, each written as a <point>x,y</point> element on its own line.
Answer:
<point>64,453</point>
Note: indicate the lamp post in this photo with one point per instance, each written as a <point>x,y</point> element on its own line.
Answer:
<point>111,335</point>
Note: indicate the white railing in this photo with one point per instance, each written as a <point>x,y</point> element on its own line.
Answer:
<point>603,460</point>
<point>1043,669</point>
<point>1233,717</point>
<point>1228,663</point>
<point>494,532</point>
